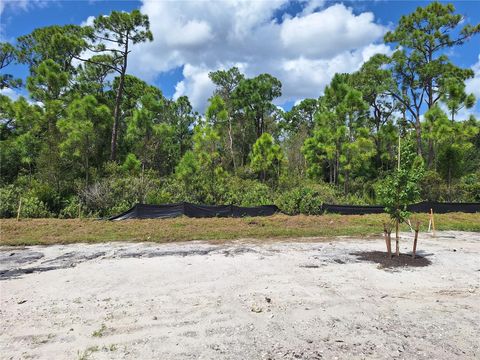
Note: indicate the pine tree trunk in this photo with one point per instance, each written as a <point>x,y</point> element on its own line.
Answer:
<point>231,144</point>
<point>118,102</point>
<point>418,132</point>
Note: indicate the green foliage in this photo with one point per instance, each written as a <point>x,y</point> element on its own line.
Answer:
<point>340,146</point>
<point>71,208</point>
<point>9,196</point>
<point>245,192</point>
<point>306,199</point>
<point>132,165</point>
<point>401,187</point>
<point>431,186</point>
<point>421,66</point>
<point>266,157</point>
<point>32,207</point>
<point>48,81</point>
<point>7,57</point>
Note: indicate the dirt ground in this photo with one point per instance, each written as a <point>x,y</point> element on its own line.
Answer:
<point>301,299</point>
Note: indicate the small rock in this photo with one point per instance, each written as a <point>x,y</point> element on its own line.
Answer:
<point>22,302</point>
<point>268,300</point>
<point>155,318</point>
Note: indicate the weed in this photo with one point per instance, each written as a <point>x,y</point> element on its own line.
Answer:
<point>99,332</point>
<point>86,354</point>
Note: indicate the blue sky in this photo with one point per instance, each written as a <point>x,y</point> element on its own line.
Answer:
<point>303,43</point>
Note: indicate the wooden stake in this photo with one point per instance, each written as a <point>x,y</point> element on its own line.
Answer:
<point>388,239</point>
<point>417,227</point>
<point>397,240</point>
<point>433,221</point>
<point>19,209</point>
<point>385,235</point>
<point>79,211</point>
<point>410,225</point>
<point>389,244</point>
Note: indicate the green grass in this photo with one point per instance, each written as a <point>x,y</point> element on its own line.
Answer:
<point>60,231</point>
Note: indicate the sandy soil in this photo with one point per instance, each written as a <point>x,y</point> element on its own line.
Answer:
<point>303,299</point>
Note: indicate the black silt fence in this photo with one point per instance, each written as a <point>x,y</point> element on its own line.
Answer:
<point>145,211</point>
<point>422,207</point>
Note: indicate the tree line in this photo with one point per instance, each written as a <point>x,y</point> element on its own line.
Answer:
<point>94,139</point>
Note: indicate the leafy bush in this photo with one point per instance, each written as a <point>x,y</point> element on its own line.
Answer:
<point>244,192</point>
<point>32,207</point>
<point>9,196</point>
<point>306,199</point>
<point>71,208</point>
<point>431,186</point>
<point>468,188</point>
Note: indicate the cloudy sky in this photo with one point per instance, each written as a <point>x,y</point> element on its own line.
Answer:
<point>303,43</point>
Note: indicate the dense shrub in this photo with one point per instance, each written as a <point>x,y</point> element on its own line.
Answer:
<point>245,192</point>
<point>431,186</point>
<point>71,208</point>
<point>33,207</point>
<point>9,196</point>
<point>306,199</point>
<point>468,188</point>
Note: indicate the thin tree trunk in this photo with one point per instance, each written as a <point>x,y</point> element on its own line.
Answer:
<point>118,102</point>
<point>86,170</point>
<point>418,132</point>
<point>449,182</point>
<point>116,118</point>
<point>231,144</point>
<point>431,154</point>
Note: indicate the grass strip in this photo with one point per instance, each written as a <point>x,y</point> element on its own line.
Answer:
<point>67,231</point>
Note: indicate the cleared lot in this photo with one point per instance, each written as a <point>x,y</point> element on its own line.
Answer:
<point>297,299</point>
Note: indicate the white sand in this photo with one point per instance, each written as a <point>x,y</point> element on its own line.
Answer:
<point>209,302</point>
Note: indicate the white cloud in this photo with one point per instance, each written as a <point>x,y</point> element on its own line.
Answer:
<point>196,85</point>
<point>303,51</point>
<point>473,85</point>
<point>21,5</point>
<point>12,94</point>
<point>88,21</point>
<point>328,32</point>
<point>192,34</point>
